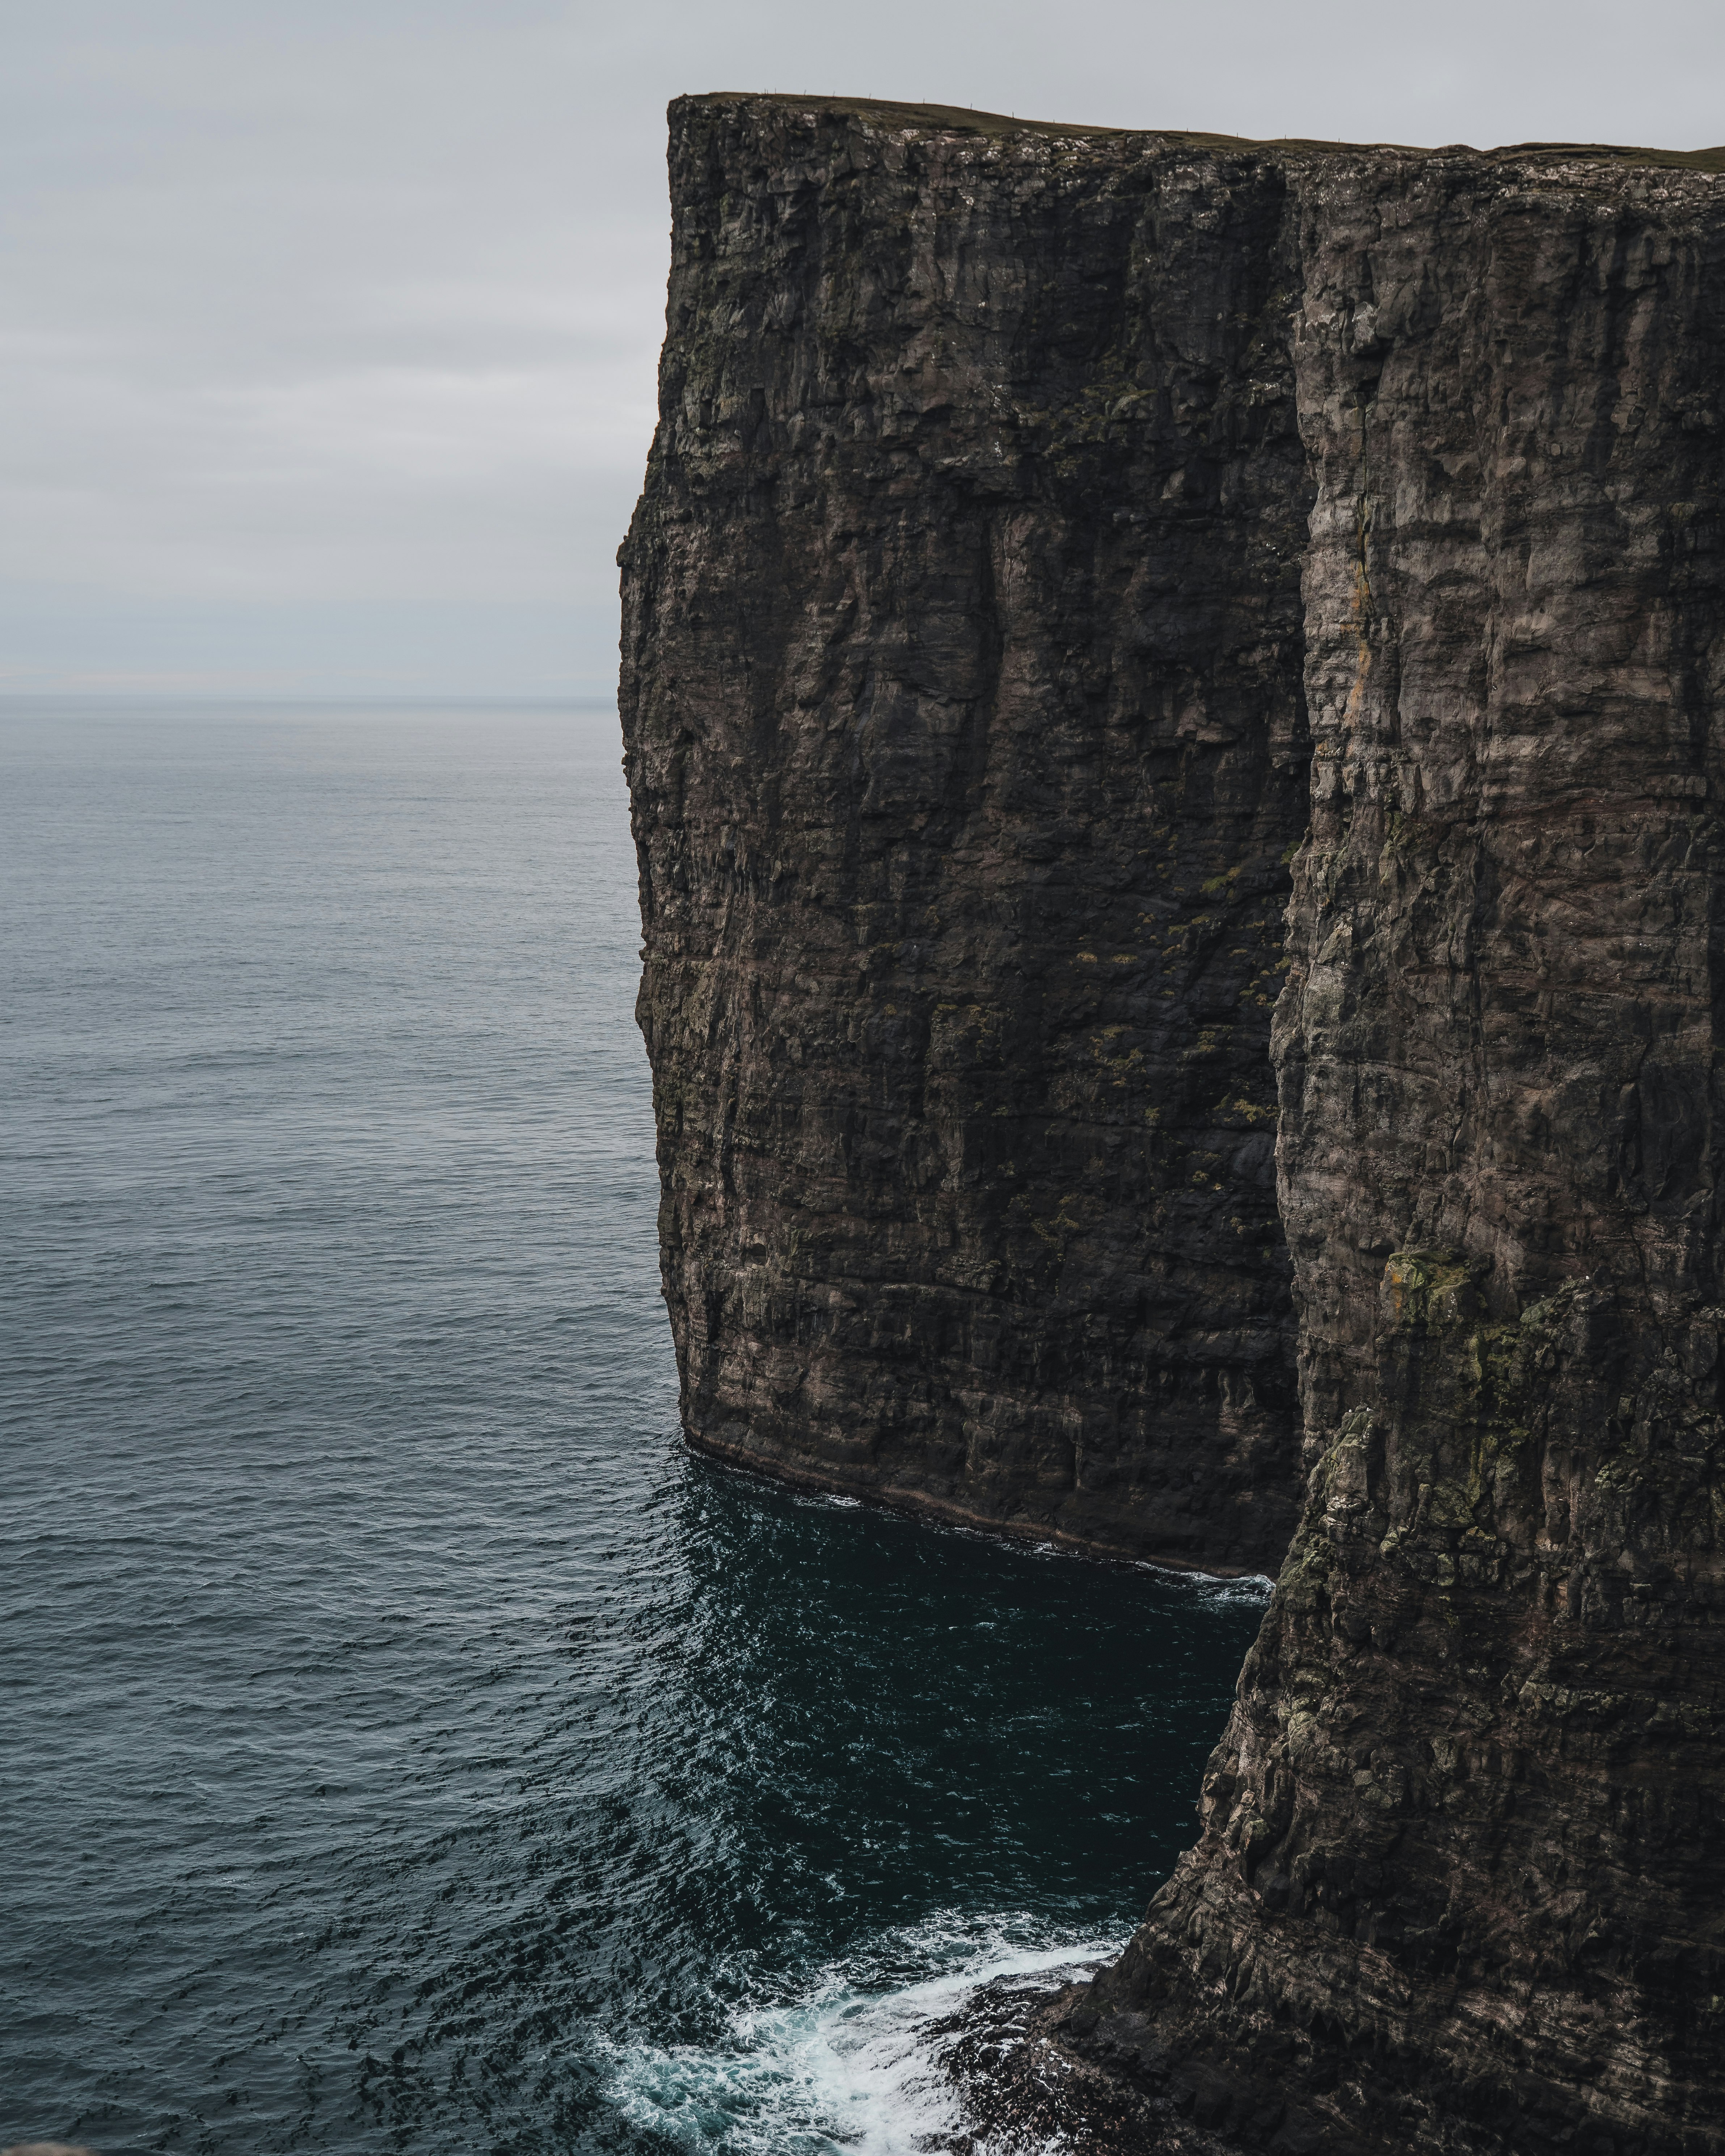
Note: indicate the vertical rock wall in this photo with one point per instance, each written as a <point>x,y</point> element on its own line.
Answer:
<point>965,692</point>
<point>962,699</point>
<point>1461,1884</point>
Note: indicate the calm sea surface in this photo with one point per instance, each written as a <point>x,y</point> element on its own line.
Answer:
<point>404,1745</point>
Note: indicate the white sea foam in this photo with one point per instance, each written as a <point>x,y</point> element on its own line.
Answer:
<point>1252,1589</point>
<point>852,2065</point>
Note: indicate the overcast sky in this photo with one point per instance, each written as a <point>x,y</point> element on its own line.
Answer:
<point>327,328</point>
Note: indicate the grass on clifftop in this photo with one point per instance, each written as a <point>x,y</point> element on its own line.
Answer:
<point>959,119</point>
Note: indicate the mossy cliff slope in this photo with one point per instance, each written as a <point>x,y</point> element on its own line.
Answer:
<point>961,696</point>
<point>973,701</point>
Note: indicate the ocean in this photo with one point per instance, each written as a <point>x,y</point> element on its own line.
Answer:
<point>407,1746</point>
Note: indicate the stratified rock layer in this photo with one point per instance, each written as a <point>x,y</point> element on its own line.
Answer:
<point>962,697</point>
<point>1461,1884</point>
<point>966,692</point>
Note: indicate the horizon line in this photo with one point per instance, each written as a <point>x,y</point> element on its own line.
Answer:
<point>326,698</point>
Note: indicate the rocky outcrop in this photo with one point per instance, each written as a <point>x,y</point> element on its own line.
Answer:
<point>962,699</point>
<point>1462,1877</point>
<point>1460,1884</point>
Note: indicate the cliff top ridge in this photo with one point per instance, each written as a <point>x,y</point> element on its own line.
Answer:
<point>956,118</point>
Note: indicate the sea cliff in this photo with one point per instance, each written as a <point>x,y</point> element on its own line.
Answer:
<point>962,702</point>
<point>1094,590</point>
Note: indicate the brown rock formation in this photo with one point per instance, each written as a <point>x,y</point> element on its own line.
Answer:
<point>1461,1882</point>
<point>1462,1879</point>
<point>961,696</point>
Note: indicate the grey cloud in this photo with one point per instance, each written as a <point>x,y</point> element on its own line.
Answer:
<point>328,333</point>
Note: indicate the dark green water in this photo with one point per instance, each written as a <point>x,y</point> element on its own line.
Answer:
<point>406,1746</point>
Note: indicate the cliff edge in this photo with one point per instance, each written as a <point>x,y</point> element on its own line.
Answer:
<point>962,692</point>
<point>1061,549</point>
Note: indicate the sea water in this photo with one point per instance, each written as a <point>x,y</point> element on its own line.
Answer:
<point>405,1744</point>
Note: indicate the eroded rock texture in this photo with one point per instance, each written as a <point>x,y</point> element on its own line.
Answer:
<point>961,696</point>
<point>1461,1884</point>
<point>966,691</point>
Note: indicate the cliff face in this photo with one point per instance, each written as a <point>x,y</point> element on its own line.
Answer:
<point>1462,1877</point>
<point>966,693</point>
<point>962,698</point>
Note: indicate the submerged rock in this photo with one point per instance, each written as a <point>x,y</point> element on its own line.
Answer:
<point>973,703</point>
